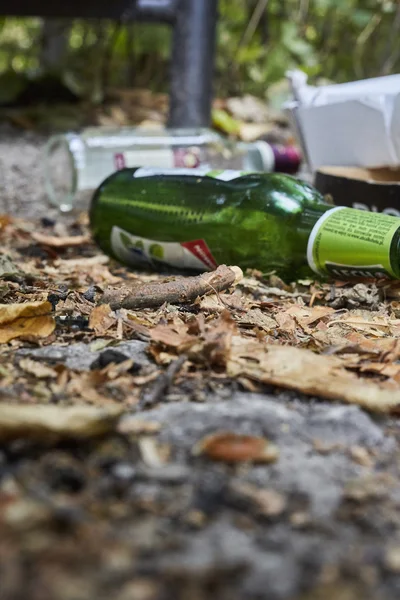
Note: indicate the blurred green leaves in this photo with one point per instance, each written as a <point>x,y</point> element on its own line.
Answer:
<point>258,40</point>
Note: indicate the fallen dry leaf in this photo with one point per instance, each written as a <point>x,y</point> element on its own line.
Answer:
<point>40,370</point>
<point>169,336</point>
<point>256,318</point>
<point>60,242</point>
<point>309,316</point>
<point>44,423</point>
<point>232,447</point>
<point>87,385</point>
<point>310,373</point>
<point>101,319</point>
<point>5,220</point>
<point>10,312</point>
<point>28,320</point>
<point>375,325</point>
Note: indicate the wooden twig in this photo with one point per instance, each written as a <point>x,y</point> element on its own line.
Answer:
<point>178,291</point>
<point>162,383</point>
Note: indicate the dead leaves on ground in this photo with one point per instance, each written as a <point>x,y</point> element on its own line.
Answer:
<point>60,242</point>
<point>29,320</point>
<point>47,423</point>
<point>312,374</point>
<point>101,319</point>
<point>336,340</point>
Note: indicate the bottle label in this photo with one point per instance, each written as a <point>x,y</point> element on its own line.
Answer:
<point>345,242</point>
<point>189,157</point>
<point>137,251</point>
<point>226,175</point>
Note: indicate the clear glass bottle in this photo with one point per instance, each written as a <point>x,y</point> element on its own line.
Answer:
<point>78,162</point>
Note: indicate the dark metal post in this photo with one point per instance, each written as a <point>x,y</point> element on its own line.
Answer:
<point>192,63</point>
<point>192,60</point>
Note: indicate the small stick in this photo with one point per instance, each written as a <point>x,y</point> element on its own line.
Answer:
<point>178,291</point>
<point>162,383</point>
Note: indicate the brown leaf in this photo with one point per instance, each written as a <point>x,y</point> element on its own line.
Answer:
<point>309,316</point>
<point>44,422</point>
<point>60,242</point>
<point>217,340</point>
<point>28,320</point>
<point>217,303</point>
<point>169,336</point>
<point>232,447</point>
<point>377,326</point>
<point>39,369</point>
<point>307,372</point>
<point>256,318</point>
<point>4,221</point>
<point>286,322</point>
<point>87,385</point>
<point>10,312</point>
<point>101,319</point>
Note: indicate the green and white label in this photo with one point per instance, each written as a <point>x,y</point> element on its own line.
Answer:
<point>346,242</point>
<point>138,251</point>
<point>226,175</point>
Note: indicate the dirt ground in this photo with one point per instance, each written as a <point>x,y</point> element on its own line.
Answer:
<point>107,519</point>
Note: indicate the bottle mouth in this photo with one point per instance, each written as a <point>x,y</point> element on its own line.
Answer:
<point>60,174</point>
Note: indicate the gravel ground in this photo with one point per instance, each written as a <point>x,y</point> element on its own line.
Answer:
<point>321,523</point>
<point>22,175</point>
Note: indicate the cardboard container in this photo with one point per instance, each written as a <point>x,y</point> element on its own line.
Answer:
<point>348,124</point>
<point>377,190</point>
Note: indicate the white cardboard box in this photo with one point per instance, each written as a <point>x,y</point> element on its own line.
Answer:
<point>348,124</point>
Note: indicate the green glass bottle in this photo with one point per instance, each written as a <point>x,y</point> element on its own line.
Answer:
<point>197,219</point>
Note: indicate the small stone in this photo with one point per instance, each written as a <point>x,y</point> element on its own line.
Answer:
<point>300,519</point>
<point>325,448</point>
<point>90,293</point>
<point>361,456</point>
<point>173,473</point>
<point>271,503</point>
<point>107,357</point>
<point>392,559</point>
<point>130,424</point>
<point>124,471</point>
<point>46,222</point>
<point>368,488</point>
<point>196,518</point>
<point>268,502</point>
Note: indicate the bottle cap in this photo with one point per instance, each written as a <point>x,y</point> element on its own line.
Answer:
<point>287,159</point>
<point>283,159</point>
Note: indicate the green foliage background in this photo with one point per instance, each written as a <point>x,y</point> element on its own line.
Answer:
<point>258,40</point>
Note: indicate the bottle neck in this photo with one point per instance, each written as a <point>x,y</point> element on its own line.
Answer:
<point>271,157</point>
<point>310,215</point>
